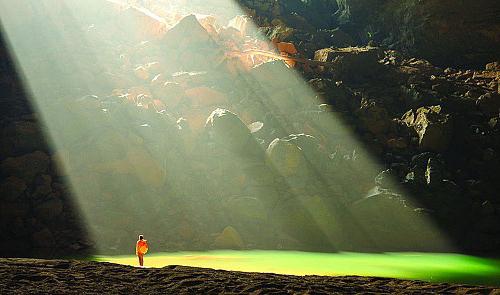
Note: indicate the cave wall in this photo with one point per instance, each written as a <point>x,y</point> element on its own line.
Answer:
<point>459,33</point>
<point>445,32</point>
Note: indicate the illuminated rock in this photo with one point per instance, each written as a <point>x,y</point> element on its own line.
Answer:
<point>170,93</point>
<point>286,157</point>
<point>146,168</point>
<point>229,239</point>
<point>434,129</point>
<point>227,131</point>
<point>141,72</point>
<point>189,46</point>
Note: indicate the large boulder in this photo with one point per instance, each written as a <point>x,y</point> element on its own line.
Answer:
<point>228,132</point>
<point>190,46</point>
<point>229,239</point>
<point>295,155</point>
<point>351,63</point>
<point>489,104</point>
<point>434,129</point>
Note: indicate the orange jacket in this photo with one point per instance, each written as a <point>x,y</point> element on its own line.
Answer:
<point>141,247</point>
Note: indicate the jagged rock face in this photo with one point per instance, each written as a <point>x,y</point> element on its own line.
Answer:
<point>444,32</point>
<point>464,33</point>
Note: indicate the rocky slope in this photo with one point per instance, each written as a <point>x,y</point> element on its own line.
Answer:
<point>447,33</point>
<point>28,276</point>
<point>227,155</point>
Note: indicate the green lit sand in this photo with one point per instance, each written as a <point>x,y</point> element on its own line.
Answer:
<point>432,267</point>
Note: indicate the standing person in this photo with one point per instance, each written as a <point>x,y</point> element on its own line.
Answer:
<point>141,248</point>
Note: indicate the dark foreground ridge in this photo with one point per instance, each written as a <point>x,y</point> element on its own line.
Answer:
<point>29,276</point>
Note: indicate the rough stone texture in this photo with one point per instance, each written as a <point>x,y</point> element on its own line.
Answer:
<point>25,276</point>
<point>134,141</point>
<point>444,32</point>
<point>433,128</point>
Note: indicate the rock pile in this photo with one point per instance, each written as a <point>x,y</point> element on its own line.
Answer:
<point>197,143</point>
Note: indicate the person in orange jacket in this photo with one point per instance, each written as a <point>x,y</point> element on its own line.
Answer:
<point>141,248</point>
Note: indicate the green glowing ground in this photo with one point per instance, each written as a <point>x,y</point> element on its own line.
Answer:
<point>433,267</point>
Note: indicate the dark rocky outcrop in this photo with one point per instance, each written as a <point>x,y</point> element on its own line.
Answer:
<point>444,32</point>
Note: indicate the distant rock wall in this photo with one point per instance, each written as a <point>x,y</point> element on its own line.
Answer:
<point>445,32</point>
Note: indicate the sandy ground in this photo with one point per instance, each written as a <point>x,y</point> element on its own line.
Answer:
<point>33,276</point>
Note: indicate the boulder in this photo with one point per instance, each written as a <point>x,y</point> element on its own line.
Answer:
<point>434,129</point>
<point>189,46</point>
<point>286,157</point>
<point>489,104</point>
<point>227,131</point>
<point>229,239</point>
<point>493,66</point>
<point>351,63</point>
<point>387,179</point>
